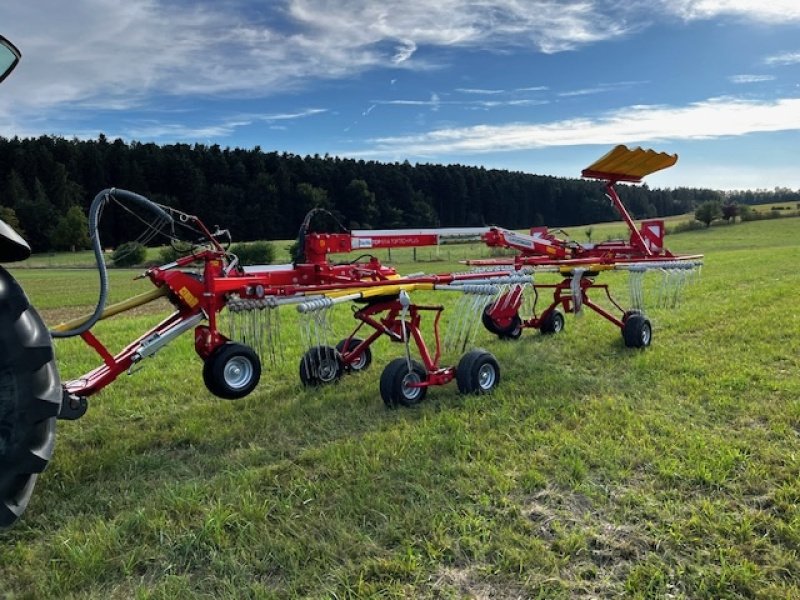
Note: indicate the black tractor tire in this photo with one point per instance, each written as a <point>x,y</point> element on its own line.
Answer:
<point>320,365</point>
<point>511,331</point>
<point>30,399</point>
<point>637,331</point>
<point>552,322</point>
<point>363,362</point>
<point>477,372</point>
<point>232,371</point>
<point>394,383</point>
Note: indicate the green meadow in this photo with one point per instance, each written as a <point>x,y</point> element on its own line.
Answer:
<point>592,471</point>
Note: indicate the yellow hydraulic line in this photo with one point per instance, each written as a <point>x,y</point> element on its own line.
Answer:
<point>382,290</point>
<point>115,309</point>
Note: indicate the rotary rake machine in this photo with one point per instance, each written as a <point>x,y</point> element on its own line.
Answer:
<point>580,264</point>
<point>207,287</point>
<point>208,283</point>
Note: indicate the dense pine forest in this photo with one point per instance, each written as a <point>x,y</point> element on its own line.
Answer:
<point>48,183</point>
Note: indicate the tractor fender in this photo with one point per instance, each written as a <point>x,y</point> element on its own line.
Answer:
<point>12,246</point>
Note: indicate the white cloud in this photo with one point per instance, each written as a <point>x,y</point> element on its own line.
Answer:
<point>112,54</point>
<point>716,117</point>
<point>536,88</point>
<point>787,58</point>
<point>435,102</point>
<point>601,88</point>
<point>404,52</point>
<point>291,116</point>
<point>479,91</point>
<point>773,11</point>
<point>750,78</point>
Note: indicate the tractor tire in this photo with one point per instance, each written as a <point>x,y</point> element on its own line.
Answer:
<point>30,399</point>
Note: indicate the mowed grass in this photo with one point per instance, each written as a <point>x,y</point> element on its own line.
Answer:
<point>592,471</point>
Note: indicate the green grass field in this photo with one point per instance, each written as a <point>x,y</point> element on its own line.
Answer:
<point>593,470</point>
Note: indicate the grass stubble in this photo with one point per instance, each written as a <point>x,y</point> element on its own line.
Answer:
<point>592,471</point>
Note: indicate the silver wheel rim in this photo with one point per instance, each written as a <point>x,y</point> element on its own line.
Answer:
<point>558,323</point>
<point>411,393</point>
<point>327,370</point>
<point>646,334</point>
<point>486,376</point>
<point>357,365</point>
<point>238,372</point>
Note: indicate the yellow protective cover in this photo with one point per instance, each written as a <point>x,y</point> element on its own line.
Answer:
<point>625,164</point>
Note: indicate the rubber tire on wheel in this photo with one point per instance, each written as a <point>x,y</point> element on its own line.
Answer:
<point>394,383</point>
<point>637,331</point>
<point>363,362</point>
<point>30,398</point>
<point>320,365</point>
<point>552,322</point>
<point>511,331</point>
<point>477,372</point>
<point>232,371</point>
<point>629,313</point>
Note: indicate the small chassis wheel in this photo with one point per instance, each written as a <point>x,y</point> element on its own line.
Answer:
<point>397,381</point>
<point>30,399</point>
<point>512,331</point>
<point>637,331</point>
<point>362,362</point>
<point>552,322</point>
<point>477,372</point>
<point>232,371</point>
<point>320,365</point>
<point>629,313</point>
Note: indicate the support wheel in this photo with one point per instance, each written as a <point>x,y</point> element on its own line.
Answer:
<point>511,331</point>
<point>477,372</point>
<point>552,322</point>
<point>320,365</point>
<point>629,313</point>
<point>395,381</point>
<point>362,362</point>
<point>637,331</point>
<point>30,399</point>
<point>232,371</point>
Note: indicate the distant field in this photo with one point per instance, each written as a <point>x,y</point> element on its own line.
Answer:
<point>580,233</point>
<point>593,471</point>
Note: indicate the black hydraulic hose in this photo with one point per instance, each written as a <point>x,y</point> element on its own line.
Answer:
<point>95,210</point>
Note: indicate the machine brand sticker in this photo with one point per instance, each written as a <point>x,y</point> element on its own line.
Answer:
<point>188,297</point>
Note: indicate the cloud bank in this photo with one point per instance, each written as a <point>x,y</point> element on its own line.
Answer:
<point>713,118</point>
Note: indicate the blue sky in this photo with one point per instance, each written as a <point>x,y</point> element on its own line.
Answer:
<point>537,86</point>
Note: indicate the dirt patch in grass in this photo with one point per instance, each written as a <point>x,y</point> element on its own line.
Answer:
<point>468,583</point>
<point>597,553</point>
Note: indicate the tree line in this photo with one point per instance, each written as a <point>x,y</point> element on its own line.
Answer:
<point>48,183</point>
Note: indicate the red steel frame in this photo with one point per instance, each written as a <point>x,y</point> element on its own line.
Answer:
<point>393,325</point>
<point>205,296</point>
<point>571,258</point>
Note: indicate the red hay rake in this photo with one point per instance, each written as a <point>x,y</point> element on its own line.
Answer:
<point>580,264</point>
<point>209,285</point>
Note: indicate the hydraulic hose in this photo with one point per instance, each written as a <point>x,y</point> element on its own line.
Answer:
<point>95,210</point>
